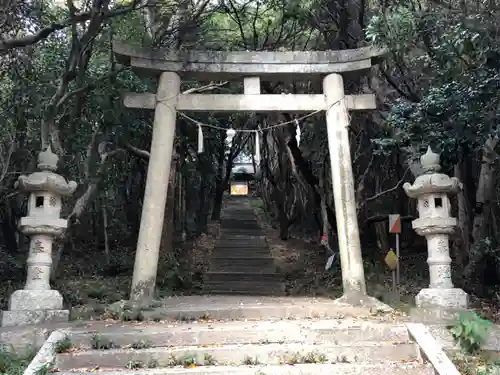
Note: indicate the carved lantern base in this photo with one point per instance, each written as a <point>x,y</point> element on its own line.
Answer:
<point>453,298</point>
<point>439,306</point>
<point>34,307</point>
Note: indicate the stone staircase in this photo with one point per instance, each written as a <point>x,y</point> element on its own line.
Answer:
<point>241,261</point>
<point>345,346</point>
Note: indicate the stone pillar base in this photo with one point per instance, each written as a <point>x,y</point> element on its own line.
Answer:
<point>439,306</point>
<point>435,315</point>
<point>452,299</point>
<point>28,317</point>
<point>28,299</point>
<point>363,300</point>
<point>34,307</point>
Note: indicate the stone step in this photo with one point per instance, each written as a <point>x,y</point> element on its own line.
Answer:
<point>241,232</point>
<point>244,291</point>
<point>242,255</point>
<point>239,246</point>
<point>235,237</point>
<point>256,265</point>
<point>231,252</point>
<point>248,247</point>
<point>264,354</point>
<point>226,307</point>
<point>239,222</point>
<point>239,214</point>
<point>239,217</point>
<point>234,225</point>
<point>243,268</point>
<point>300,331</point>
<point>257,287</point>
<point>302,369</point>
<point>244,259</point>
<point>242,242</point>
<point>243,277</point>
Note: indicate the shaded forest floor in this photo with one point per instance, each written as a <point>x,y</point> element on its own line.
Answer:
<point>88,284</point>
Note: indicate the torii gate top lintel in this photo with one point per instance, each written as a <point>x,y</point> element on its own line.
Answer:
<point>212,65</point>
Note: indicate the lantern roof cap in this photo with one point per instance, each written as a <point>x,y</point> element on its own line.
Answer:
<point>431,181</point>
<point>430,161</point>
<point>46,180</point>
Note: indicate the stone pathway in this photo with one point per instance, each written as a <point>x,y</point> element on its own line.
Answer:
<point>241,261</point>
<point>197,335</point>
<point>247,336</point>
<point>197,308</point>
<point>306,347</point>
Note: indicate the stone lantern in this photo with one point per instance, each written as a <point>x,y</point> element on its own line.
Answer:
<point>37,302</point>
<point>431,189</point>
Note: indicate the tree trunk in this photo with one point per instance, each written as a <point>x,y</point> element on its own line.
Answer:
<point>482,209</point>
<point>462,244</point>
<point>219,195</point>
<point>485,189</point>
<point>283,220</point>
<point>201,213</point>
<point>104,211</point>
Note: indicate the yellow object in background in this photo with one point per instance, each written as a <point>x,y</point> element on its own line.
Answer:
<point>239,188</point>
<point>391,259</point>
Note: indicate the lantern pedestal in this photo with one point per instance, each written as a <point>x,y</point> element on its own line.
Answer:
<point>450,299</point>
<point>439,306</point>
<point>37,302</point>
<point>34,306</point>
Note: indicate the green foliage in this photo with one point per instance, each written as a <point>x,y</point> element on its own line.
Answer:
<point>141,344</point>
<point>449,97</point>
<point>189,361</point>
<point>14,363</point>
<point>251,361</point>
<point>63,345</point>
<point>489,369</point>
<point>396,29</point>
<point>134,364</point>
<point>470,332</point>
<point>100,342</point>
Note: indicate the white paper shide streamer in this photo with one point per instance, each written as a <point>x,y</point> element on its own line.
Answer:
<point>230,133</point>
<point>201,146</point>
<point>257,148</point>
<point>297,132</point>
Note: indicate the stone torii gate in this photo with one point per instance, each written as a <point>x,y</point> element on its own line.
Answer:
<point>250,67</point>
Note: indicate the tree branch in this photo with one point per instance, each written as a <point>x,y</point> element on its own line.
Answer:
<point>397,186</point>
<point>44,33</point>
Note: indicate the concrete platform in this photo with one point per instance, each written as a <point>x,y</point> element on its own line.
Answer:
<point>227,307</point>
<point>338,331</point>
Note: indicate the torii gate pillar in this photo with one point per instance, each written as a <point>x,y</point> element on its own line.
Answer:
<point>337,123</point>
<point>155,193</point>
